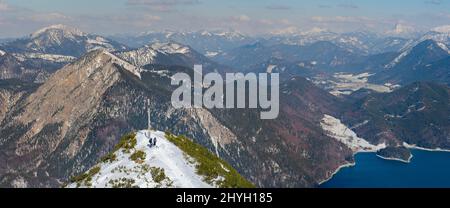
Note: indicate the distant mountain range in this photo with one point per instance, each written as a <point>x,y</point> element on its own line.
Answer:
<point>35,57</point>
<point>61,40</point>
<point>209,43</point>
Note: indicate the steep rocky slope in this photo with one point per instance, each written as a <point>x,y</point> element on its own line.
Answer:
<point>12,92</point>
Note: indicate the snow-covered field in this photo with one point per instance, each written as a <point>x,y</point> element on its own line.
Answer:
<point>48,57</point>
<point>336,129</point>
<point>345,84</point>
<point>211,54</point>
<point>178,167</point>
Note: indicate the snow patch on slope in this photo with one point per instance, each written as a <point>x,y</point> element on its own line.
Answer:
<point>148,53</point>
<point>211,54</point>
<point>2,53</point>
<point>270,68</point>
<point>129,67</point>
<point>443,47</point>
<point>170,48</point>
<point>49,57</point>
<point>337,130</point>
<point>141,56</point>
<point>397,59</point>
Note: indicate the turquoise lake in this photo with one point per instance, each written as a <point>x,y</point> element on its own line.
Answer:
<point>426,170</point>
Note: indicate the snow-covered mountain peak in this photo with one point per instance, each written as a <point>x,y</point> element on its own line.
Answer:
<point>2,53</point>
<point>315,31</point>
<point>152,159</point>
<point>141,56</point>
<point>160,165</point>
<point>442,29</point>
<point>58,29</point>
<point>170,48</point>
<point>400,28</point>
<point>231,35</point>
<point>124,64</point>
<point>61,40</point>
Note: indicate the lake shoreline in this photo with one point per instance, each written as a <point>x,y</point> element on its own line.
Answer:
<point>411,147</point>
<point>336,171</point>
<point>396,159</point>
<point>426,170</point>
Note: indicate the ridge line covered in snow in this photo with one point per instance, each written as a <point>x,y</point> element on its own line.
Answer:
<point>178,168</point>
<point>127,66</point>
<point>61,27</point>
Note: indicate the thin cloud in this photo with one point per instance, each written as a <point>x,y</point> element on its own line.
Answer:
<point>342,19</point>
<point>161,5</point>
<point>324,6</point>
<point>4,6</point>
<point>278,7</point>
<point>348,6</point>
<point>434,2</point>
<point>241,18</point>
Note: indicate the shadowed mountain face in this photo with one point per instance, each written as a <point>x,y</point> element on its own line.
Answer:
<point>427,61</point>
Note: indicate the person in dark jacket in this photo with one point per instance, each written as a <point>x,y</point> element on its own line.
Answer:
<point>151,142</point>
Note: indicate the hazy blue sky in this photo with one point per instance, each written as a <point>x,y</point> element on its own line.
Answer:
<point>20,17</point>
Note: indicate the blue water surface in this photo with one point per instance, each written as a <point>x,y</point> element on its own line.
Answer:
<point>426,170</point>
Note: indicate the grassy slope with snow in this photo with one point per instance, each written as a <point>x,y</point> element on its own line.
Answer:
<point>134,164</point>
